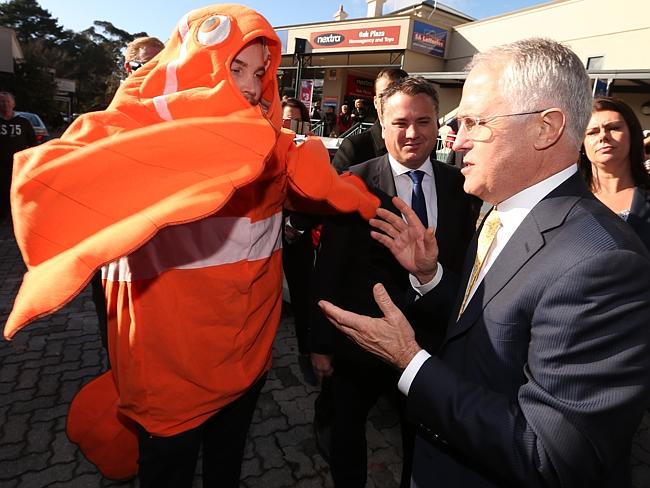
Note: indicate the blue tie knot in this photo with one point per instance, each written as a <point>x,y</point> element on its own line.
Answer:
<point>416,176</point>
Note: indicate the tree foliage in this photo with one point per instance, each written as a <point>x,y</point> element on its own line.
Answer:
<point>36,88</point>
<point>92,58</point>
<point>30,21</point>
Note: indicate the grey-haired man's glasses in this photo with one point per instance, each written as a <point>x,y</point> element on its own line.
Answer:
<point>475,128</point>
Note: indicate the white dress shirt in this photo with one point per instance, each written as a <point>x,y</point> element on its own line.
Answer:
<point>512,213</point>
<point>404,186</point>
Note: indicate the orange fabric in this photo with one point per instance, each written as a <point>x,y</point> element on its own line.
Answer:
<point>179,146</point>
<point>116,177</point>
<point>187,342</point>
<point>107,439</point>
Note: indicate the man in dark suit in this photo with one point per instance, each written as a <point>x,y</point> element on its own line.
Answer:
<point>544,376</point>
<point>350,262</point>
<point>369,144</point>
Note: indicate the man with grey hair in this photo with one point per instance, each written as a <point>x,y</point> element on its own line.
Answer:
<point>544,373</point>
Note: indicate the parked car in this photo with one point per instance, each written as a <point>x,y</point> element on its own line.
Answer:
<point>41,131</point>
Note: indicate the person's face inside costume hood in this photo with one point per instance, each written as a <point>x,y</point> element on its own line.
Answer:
<point>247,70</point>
<point>199,73</point>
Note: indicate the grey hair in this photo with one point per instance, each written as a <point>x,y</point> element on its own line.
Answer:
<point>539,74</point>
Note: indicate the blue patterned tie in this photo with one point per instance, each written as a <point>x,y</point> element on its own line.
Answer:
<point>418,202</point>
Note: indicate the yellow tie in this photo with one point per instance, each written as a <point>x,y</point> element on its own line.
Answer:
<point>485,238</point>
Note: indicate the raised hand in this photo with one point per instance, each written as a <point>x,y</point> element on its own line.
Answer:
<point>414,246</point>
<point>391,337</point>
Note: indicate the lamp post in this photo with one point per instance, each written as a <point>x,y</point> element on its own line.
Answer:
<point>302,47</point>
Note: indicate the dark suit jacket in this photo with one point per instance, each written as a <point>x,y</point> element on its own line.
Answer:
<point>359,148</point>
<point>350,262</point>
<point>639,217</point>
<point>544,378</point>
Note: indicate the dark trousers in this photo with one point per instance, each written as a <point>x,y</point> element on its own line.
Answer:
<point>5,184</point>
<point>355,389</point>
<point>298,265</point>
<point>169,462</point>
<point>99,299</point>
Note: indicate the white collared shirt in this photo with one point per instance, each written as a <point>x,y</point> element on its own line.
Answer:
<point>512,213</point>
<point>404,186</point>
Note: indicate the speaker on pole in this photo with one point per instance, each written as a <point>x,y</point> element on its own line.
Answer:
<point>302,46</point>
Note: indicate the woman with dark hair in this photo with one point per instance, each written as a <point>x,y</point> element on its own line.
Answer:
<point>296,111</point>
<point>295,116</point>
<point>612,163</point>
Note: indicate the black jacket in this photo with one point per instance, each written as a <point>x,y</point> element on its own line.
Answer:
<point>359,148</point>
<point>639,217</point>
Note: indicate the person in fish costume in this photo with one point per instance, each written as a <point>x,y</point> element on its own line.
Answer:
<point>176,191</point>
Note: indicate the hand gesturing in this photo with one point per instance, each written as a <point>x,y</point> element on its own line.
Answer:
<point>414,246</point>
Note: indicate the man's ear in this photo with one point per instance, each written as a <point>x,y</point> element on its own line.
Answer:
<point>381,123</point>
<point>375,102</point>
<point>550,129</point>
<point>127,68</point>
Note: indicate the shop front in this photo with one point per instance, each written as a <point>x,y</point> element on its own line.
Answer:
<point>338,61</point>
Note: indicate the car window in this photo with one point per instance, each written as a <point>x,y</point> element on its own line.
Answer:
<point>33,118</point>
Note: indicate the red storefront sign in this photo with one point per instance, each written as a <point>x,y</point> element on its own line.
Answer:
<point>360,87</point>
<point>306,92</point>
<point>355,38</point>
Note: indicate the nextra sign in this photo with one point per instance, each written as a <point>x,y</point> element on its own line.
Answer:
<point>387,35</point>
<point>329,39</point>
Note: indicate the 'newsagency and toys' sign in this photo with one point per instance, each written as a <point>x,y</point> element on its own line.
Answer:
<point>356,38</point>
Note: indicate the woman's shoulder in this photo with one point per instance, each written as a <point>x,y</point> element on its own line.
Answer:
<point>642,193</point>
<point>639,217</point>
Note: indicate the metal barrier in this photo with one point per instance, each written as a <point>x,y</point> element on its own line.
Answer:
<point>317,127</point>
<point>442,148</point>
<point>357,128</point>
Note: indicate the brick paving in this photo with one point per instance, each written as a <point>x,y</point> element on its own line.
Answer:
<point>43,367</point>
<point>46,364</point>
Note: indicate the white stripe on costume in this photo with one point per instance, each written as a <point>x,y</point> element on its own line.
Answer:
<point>212,241</point>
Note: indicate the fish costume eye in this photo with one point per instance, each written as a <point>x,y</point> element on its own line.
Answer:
<point>214,30</point>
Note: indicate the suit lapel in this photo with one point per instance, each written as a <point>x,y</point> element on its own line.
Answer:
<point>381,176</point>
<point>640,208</point>
<point>527,241</point>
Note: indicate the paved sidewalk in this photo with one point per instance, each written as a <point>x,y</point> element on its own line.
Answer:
<point>43,367</point>
<point>47,363</point>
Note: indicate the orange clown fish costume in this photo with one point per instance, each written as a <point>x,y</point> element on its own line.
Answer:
<point>176,191</point>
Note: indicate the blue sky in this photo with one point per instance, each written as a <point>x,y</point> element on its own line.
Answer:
<point>158,18</point>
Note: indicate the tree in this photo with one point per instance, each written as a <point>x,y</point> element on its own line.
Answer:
<point>30,21</point>
<point>93,57</point>
<point>95,61</point>
<point>35,86</point>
